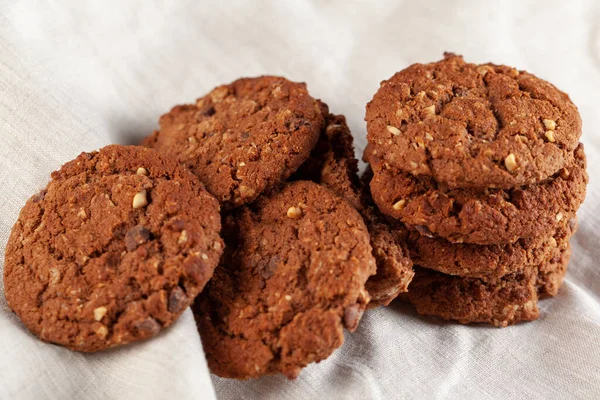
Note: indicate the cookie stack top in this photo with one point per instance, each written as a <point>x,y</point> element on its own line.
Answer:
<point>475,153</point>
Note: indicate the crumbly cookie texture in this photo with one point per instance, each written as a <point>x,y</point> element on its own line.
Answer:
<point>288,283</point>
<point>243,138</point>
<point>502,302</point>
<point>332,163</point>
<point>468,125</point>
<point>113,250</point>
<point>480,216</point>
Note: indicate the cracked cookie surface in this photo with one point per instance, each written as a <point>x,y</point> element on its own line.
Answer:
<point>480,216</point>
<point>332,164</point>
<point>292,277</point>
<point>468,125</point>
<point>114,249</point>
<point>242,138</point>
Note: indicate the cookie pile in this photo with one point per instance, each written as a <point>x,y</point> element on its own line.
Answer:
<point>247,206</point>
<point>481,166</point>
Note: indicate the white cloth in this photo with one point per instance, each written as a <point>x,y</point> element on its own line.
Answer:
<point>75,76</point>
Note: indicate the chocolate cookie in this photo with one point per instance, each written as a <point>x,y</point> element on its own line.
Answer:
<point>117,245</point>
<point>501,302</point>
<point>480,216</point>
<point>292,277</point>
<point>332,164</point>
<point>242,138</point>
<point>491,261</point>
<point>467,125</point>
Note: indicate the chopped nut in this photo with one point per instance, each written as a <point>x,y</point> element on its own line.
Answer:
<point>140,200</point>
<point>399,205</point>
<point>245,191</point>
<point>550,136</point>
<point>428,136</point>
<point>204,256</point>
<point>141,171</point>
<point>550,124</point>
<point>529,306</point>
<point>430,110</point>
<point>288,297</point>
<point>183,237</point>
<point>192,139</point>
<point>99,313</point>
<point>484,69</point>
<point>352,316</point>
<point>413,165</point>
<point>242,164</point>
<point>217,246</point>
<point>393,130</point>
<point>564,173</point>
<point>294,212</point>
<point>559,216</point>
<point>553,242</point>
<point>102,332</point>
<point>510,162</point>
<point>399,112</point>
<point>81,213</point>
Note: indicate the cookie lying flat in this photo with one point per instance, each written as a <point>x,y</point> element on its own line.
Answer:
<point>292,277</point>
<point>467,125</point>
<point>242,138</point>
<point>489,216</point>
<point>332,164</point>
<point>502,302</point>
<point>491,261</point>
<point>113,250</point>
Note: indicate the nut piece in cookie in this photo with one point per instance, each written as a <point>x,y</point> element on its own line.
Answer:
<point>242,138</point>
<point>466,125</point>
<point>95,260</point>
<point>285,287</point>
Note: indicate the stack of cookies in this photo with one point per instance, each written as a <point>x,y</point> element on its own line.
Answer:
<point>481,167</point>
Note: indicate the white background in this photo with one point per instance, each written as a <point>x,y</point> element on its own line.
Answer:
<point>77,75</point>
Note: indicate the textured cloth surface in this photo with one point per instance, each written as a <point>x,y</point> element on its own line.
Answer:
<point>75,76</point>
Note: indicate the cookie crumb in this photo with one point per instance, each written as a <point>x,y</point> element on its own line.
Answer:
<point>140,200</point>
<point>294,212</point>
<point>510,162</point>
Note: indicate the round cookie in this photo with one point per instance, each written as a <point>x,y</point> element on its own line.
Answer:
<point>113,250</point>
<point>242,138</point>
<point>292,277</point>
<point>480,216</point>
<point>467,125</point>
<point>491,261</point>
<point>502,302</point>
<point>333,165</point>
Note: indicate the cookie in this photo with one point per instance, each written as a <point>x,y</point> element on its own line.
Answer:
<point>480,216</point>
<point>491,261</point>
<point>502,302</point>
<point>292,277</point>
<point>466,125</point>
<point>333,165</point>
<point>242,138</point>
<point>113,250</point>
